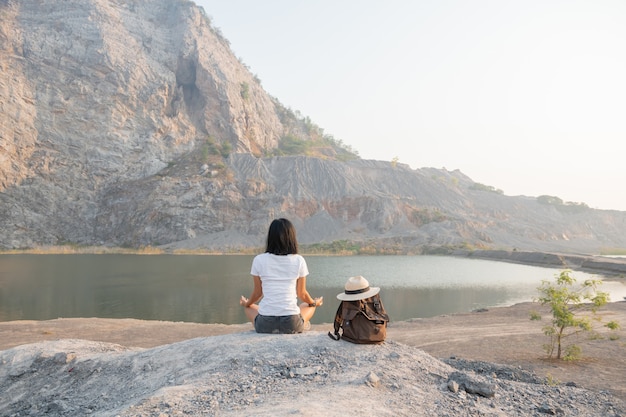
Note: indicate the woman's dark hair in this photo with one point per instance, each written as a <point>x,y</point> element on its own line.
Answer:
<point>281,238</point>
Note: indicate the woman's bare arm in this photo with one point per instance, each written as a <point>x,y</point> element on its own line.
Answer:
<point>304,295</point>
<point>257,293</point>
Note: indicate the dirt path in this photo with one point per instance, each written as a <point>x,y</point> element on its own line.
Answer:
<point>499,335</point>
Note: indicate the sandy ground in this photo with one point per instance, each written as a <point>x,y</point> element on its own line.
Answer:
<point>499,335</point>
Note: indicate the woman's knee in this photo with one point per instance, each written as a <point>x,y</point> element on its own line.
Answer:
<point>307,311</point>
<point>251,312</point>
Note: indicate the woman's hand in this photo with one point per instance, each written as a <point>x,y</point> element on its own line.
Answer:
<point>319,301</point>
<point>243,301</point>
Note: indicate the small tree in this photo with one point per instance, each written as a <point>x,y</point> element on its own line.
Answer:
<point>566,302</point>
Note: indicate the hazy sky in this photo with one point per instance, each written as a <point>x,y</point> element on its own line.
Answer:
<point>526,96</point>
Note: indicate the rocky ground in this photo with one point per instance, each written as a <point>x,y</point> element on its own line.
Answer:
<point>490,364</point>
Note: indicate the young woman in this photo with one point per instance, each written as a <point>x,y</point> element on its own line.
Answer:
<point>279,277</point>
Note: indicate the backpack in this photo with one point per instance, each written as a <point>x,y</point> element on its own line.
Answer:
<point>361,321</point>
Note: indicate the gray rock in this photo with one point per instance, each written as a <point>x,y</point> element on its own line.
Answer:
<point>372,380</point>
<point>453,386</point>
<point>549,409</point>
<point>200,377</point>
<point>472,385</point>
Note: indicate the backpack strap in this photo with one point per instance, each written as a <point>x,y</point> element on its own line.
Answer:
<point>334,336</point>
<point>338,323</point>
<point>378,304</point>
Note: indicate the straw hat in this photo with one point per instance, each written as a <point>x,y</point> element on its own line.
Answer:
<point>357,288</point>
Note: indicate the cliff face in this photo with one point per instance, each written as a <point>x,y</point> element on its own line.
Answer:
<point>95,93</point>
<point>132,123</point>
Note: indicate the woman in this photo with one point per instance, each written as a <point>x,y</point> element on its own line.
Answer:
<point>279,277</point>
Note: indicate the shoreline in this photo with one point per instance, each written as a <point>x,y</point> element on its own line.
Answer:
<point>605,265</point>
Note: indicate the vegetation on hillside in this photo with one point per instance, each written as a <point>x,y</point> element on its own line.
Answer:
<point>421,216</point>
<point>306,138</point>
<point>488,188</point>
<point>348,248</point>
<point>245,91</point>
<point>559,204</point>
<point>613,251</point>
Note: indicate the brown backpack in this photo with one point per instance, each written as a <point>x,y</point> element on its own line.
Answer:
<point>361,321</point>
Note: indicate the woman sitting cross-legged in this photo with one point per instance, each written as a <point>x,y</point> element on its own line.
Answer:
<point>279,277</point>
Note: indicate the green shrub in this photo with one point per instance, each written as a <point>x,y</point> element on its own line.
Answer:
<point>482,187</point>
<point>245,91</point>
<point>566,207</point>
<point>291,145</point>
<point>226,149</point>
<point>567,301</point>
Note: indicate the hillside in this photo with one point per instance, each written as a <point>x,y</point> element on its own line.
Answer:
<point>133,124</point>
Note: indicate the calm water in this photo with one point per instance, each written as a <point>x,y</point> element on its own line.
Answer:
<point>206,289</point>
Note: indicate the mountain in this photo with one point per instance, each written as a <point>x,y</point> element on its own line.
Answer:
<point>132,123</point>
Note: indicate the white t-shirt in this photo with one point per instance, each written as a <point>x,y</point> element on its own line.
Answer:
<point>279,274</point>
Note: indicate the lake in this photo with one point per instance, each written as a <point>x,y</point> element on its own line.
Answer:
<point>206,288</point>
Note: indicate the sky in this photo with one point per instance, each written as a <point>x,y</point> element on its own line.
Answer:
<point>525,96</point>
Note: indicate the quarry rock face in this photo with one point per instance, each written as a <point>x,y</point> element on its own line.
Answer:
<point>99,93</point>
<point>132,123</point>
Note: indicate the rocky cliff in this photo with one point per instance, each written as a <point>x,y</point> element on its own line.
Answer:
<point>132,123</point>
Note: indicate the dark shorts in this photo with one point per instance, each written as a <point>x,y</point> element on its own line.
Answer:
<point>279,324</point>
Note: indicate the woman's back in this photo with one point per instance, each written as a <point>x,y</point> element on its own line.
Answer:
<point>279,274</point>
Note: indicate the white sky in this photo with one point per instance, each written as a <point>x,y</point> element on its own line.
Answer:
<point>527,96</point>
